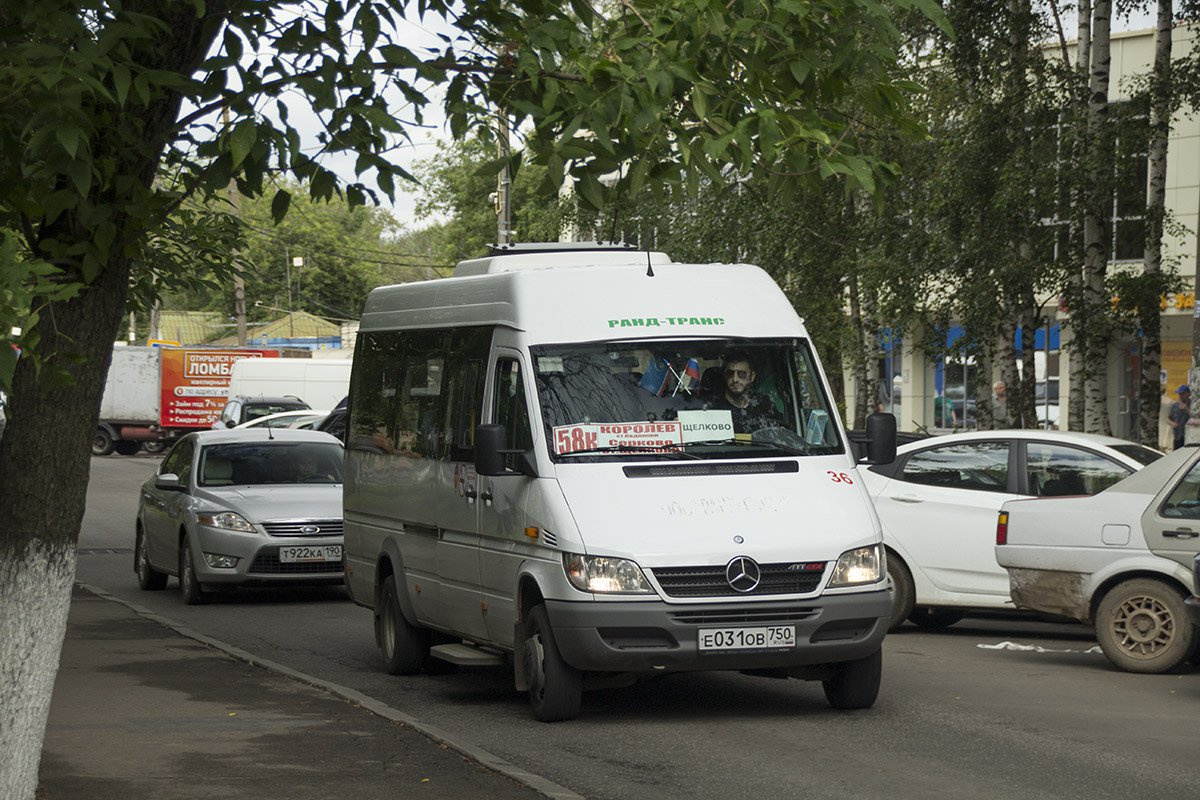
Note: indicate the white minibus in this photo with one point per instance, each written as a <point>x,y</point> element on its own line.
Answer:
<point>595,464</point>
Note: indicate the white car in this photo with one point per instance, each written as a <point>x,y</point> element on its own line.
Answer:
<point>939,499</point>
<point>1121,560</point>
<point>302,419</point>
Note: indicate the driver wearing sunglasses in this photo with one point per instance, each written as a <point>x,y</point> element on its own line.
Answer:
<point>751,410</point>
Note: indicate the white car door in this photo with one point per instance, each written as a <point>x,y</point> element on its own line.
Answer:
<point>941,509</point>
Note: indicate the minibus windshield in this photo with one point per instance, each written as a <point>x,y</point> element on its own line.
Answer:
<point>688,398</point>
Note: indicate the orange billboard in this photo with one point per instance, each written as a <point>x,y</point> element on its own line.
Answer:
<point>195,384</point>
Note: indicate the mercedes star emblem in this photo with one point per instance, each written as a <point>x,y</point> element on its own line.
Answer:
<point>743,574</point>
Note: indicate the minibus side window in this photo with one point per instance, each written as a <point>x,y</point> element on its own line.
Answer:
<point>465,377</point>
<point>424,369</point>
<point>372,424</point>
<point>509,408</point>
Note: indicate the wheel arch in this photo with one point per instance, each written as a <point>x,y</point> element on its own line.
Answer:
<point>1108,583</point>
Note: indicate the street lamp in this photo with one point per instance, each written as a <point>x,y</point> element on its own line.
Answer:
<point>298,263</point>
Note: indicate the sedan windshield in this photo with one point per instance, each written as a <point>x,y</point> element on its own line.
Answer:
<point>684,399</point>
<point>250,464</point>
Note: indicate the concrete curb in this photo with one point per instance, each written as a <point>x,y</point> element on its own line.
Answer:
<point>491,761</point>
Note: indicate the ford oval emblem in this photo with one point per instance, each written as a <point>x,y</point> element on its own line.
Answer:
<point>310,529</point>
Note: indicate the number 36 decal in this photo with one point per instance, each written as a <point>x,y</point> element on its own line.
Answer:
<point>839,477</point>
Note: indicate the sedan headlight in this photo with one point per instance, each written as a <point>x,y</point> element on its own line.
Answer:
<point>605,575</point>
<point>864,565</point>
<point>226,520</point>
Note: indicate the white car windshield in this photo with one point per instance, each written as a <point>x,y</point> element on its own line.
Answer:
<point>712,398</point>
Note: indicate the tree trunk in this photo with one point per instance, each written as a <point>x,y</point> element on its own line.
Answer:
<point>46,452</point>
<point>1005,360</point>
<point>1095,234</point>
<point>1149,312</point>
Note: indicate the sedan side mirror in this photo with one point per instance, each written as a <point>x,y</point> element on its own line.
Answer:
<point>168,482</point>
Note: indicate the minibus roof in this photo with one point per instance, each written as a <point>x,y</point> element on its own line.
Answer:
<point>578,296</point>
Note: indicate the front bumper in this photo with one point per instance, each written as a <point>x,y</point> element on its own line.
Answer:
<point>258,559</point>
<point>663,637</point>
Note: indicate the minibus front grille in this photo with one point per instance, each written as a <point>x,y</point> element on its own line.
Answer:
<point>785,578</point>
<point>693,468</point>
<point>745,616</point>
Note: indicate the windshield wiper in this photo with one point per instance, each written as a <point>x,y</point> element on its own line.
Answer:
<point>795,451</point>
<point>664,449</point>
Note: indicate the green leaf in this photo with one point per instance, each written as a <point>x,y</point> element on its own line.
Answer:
<point>590,190</point>
<point>280,204</point>
<point>245,133</point>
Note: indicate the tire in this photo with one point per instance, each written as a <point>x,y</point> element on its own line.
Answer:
<point>149,579</point>
<point>102,443</point>
<point>555,687</point>
<point>189,586</point>
<point>904,592</point>
<point>154,448</point>
<point>935,618</point>
<point>855,684</point>
<point>126,447</point>
<point>1143,626</point>
<point>405,647</point>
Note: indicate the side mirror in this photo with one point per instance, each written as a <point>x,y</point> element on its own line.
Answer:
<point>490,440</point>
<point>491,447</point>
<point>881,439</point>
<point>168,482</point>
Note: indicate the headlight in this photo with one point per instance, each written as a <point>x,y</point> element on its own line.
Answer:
<point>227,520</point>
<point>864,565</point>
<point>605,575</point>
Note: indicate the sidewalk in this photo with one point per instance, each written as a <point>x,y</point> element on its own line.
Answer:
<point>143,711</point>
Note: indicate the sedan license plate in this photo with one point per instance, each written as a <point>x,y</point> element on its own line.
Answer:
<point>771,637</point>
<point>326,552</point>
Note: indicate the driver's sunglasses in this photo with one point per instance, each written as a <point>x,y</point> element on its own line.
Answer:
<point>741,373</point>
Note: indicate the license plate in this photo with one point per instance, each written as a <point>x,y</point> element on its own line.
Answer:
<point>772,637</point>
<point>326,552</point>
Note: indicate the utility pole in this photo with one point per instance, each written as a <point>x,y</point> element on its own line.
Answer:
<point>239,285</point>
<point>504,187</point>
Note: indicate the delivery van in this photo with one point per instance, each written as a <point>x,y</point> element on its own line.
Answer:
<point>321,383</point>
<point>593,464</point>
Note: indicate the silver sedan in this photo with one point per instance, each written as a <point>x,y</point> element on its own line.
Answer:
<point>238,507</point>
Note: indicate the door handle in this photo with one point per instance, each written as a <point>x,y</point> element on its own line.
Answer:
<point>486,496</point>
<point>471,494</point>
<point>907,498</point>
<point>1181,533</point>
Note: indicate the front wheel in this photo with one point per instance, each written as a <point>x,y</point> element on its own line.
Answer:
<point>189,586</point>
<point>555,687</point>
<point>1142,625</point>
<point>855,684</point>
<point>904,594</point>
<point>405,647</point>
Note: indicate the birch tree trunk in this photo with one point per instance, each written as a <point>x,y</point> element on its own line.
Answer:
<point>1148,312</point>
<point>1095,234</point>
<point>1076,402</point>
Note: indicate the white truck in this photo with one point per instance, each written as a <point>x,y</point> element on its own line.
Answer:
<point>322,383</point>
<point>597,464</point>
<point>155,394</point>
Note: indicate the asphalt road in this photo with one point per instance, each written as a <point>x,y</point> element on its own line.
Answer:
<point>993,707</point>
